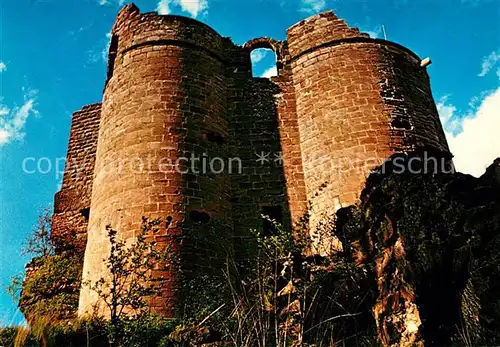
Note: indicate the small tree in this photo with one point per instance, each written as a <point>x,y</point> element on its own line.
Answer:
<point>130,286</point>
<point>48,293</point>
<point>15,287</point>
<point>39,244</point>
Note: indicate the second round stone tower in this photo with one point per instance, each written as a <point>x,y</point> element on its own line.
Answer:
<point>164,104</point>
<point>359,100</point>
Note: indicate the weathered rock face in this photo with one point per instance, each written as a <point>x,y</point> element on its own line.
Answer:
<point>492,174</point>
<point>395,311</point>
<point>180,101</point>
<point>427,241</point>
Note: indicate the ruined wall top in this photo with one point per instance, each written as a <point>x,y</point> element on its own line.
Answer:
<point>319,29</point>
<point>134,29</point>
<point>326,29</point>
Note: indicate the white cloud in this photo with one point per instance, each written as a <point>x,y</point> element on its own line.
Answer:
<point>447,111</point>
<point>99,53</point>
<point>107,2</point>
<point>313,6</point>
<point>374,32</point>
<point>258,58</point>
<point>489,63</point>
<point>476,146</point>
<point>105,50</point>
<point>4,137</point>
<point>258,54</point>
<point>272,71</point>
<point>13,122</point>
<point>3,67</point>
<point>193,7</point>
<point>4,110</point>
<point>163,7</point>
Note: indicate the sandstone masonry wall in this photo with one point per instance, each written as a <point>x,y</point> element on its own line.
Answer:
<point>72,202</point>
<point>175,90</point>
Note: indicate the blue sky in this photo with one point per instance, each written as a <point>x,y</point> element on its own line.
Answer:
<point>52,63</point>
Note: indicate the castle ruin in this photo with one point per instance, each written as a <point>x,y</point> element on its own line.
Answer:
<point>341,104</point>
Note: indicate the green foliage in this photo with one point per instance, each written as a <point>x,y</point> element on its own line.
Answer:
<point>8,337</point>
<point>52,280</point>
<point>285,296</point>
<point>15,287</point>
<point>131,285</point>
<point>40,244</point>
<point>141,331</point>
<point>53,286</point>
<point>290,299</point>
<point>145,331</point>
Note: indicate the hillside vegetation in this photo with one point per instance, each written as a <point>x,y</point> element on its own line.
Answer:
<point>419,266</point>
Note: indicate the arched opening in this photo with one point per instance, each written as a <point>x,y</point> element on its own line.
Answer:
<point>265,56</point>
<point>113,51</point>
<point>264,63</point>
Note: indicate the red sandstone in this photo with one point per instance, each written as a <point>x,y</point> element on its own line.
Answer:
<point>340,105</point>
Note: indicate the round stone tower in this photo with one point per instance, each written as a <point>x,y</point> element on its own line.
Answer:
<point>163,119</point>
<point>359,100</point>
